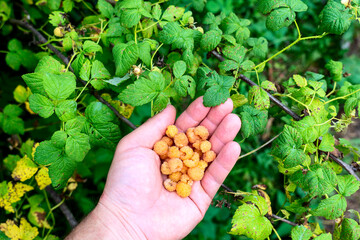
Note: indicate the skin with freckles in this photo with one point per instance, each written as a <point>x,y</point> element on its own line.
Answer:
<point>135,204</point>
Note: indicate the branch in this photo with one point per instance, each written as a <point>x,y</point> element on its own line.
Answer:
<point>229,190</point>
<point>291,113</point>
<point>63,207</point>
<point>65,60</point>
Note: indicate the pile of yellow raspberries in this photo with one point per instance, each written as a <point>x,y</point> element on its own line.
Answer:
<point>185,157</point>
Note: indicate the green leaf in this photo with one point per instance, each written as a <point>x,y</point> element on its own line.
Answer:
<point>331,208</point>
<point>143,90</point>
<point>57,18</point>
<point>300,233</point>
<point>179,68</point>
<point>21,94</point>
<point>161,101</point>
<point>13,125</point>
<point>130,3</point>
<point>228,65</point>
<point>350,230</point>
<point>236,53</point>
<point>59,86</point>
<point>85,70</point>
<point>260,47</point>
<point>327,143</point>
<point>173,13</point>
<point>178,37</point>
<point>41,105</point>
<point>279,18</point>
<point>47,153</point>
<point>250,222</point>
<point>98,112</point>
<point>35,82</point>
<point>297,5</point>
<point>98,71</point>
<point>219,90</point>
<point>68,5</point>
<point>259,97</point>
<point>258,201</point>
<point>130,17</point>
<point>58,139</point>
<point>53,4</point>
<point>105,8</point>
<point>336,70</point>
<point>75,125</point>
<point>103,134</point>
<point>91,47</point>
<point>14,60</point>
<point>61,170</point>
<point>270,86</point>
<point>238,100</point>
<point>145,52</point>
<point>247,65</point>
<point>319,180</point>
<point>335,18</point>
<point>266,6</point>
<point>77,146</point>
<point>253,121</point>
<point>12,110</point>
<point>348,185</point>
<point>125,55</point>
<point>232,24</point>
<point>300,81</point>
<point>324,236</point>
<point>14,45</point>
<point>351,104</point>
<point>66,110</point>
<point>48,64</point>
<point>156,12</point>
<point>210,40</point>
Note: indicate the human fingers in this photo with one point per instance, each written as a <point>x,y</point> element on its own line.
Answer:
<point>225,132</point>
<point>216,115</point>
<point>193,115</point>
<point>151,131</point>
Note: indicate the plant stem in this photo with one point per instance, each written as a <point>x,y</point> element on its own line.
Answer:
<point>88,7</point>
<point>343,97</point>
<point>332,91</point>
<point>82,90</point>
<point>152,57</point>
<point>275,232</point>
<point>262,146</point>
<point>2,51</point>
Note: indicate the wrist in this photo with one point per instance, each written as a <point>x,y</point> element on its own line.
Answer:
<point>105,223</point>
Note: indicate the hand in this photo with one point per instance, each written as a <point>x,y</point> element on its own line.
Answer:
<point>135,202</point>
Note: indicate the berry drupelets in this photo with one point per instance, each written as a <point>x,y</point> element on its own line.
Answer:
<point>185,157</point>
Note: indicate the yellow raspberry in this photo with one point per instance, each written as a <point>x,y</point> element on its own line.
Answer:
<point>209,156</point>
<point>165,169</point>
<point>175,176</point>
<point>168,140</point>
<point>196,173</point>
<point>186,179</point>
<point>187,153</point>
<point>205,146</point>
<point>174,152</point>
<point>196,144</point>
<point>175,164</point>
<point>170,185</point>
<point>181,140</point>
<point>191,135</point>
<point>202,164</point>
<point>191,162</point>
<point>171,131</point>
<point>183,189</point>
<point>161,147</point>
<point>202,132</point>
<point>163,157</point>
<point>184,169</point>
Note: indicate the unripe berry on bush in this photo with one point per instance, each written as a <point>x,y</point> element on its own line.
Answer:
<point>59,32</point>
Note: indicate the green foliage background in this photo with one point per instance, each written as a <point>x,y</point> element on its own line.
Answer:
<point>20,55</point>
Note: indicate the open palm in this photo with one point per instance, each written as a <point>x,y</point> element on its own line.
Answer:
<point>134,190</point>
